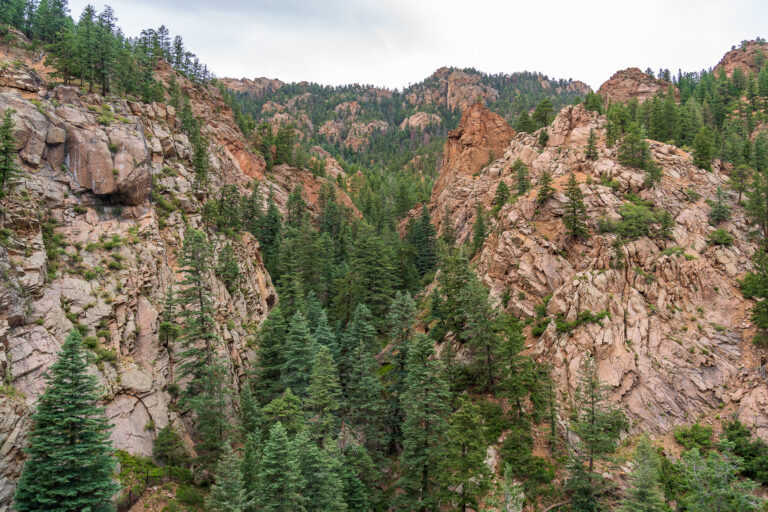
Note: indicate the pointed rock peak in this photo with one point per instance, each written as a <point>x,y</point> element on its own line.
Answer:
<point>631,83</point>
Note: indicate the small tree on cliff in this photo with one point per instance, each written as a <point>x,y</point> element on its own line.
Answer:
<point>591,151</point>
<point>69,457</point>
<point>8,166</point>
<point>575,211</point>
<point>545,188</point>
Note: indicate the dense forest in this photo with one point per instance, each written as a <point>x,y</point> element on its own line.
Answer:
<point>386,370</point>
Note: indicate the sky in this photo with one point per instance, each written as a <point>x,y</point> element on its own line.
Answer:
<point>394,43</point>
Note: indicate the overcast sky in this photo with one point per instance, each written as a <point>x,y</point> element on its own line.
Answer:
<point>396,42</point>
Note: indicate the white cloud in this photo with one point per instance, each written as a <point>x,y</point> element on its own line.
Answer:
<point>397,42</point>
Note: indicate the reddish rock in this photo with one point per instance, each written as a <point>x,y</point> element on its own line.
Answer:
<point>748,57</point>
<point>631,83</point>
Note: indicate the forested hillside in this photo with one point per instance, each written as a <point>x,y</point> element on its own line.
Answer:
<point>481,293</point>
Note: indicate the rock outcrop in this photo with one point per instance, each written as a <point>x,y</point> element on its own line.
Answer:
<point>258,86</point>
<point>749,57</point>
<point>481,138</point>
<point>91,233</point>
<point>420,120</point>
<point>675,340</point>
<point>631,83</point>
<point>452,88</point>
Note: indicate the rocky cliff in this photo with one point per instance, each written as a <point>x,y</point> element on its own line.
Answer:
<point>631,83</point>
<point>748,57</point>
<point>669,329</point>
<point>89,238</point>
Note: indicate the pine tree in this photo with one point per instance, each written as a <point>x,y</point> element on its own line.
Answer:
<point>359,331</point>
<point>69,463</point>
<point>525,123</point>
<point>287,410</point>
<point>370,260</point>
<point>720,211</point>
<point>280,480</point>
<point>597,424</point>
<point>227,268</point>
<point>545,188</point>
<point>713,483</point>
<point>479,230</point>
<point>169,449</point>
<point>422,236</point>
<point>521,173</point>
<point>325,337</point>
<point>364,402</point>
<point>323,395</point>
<point>591,151</point>
<point>425,403</point>
<point>501,197</point>
<point>593,102</point>
<point>251,417</point>
<point>9,168</point>
<point>644,493</point>
<point>575,210</point>
<point>703,149</point>
<point>321,468</point>
<point>466,475</point>
<point>228,493</point>
<point>400,319</point>
<point>542,114</point>
<point>204,394</point>
<point>634,151</point>
<point>271,355</point>
<point>739,181</point>
<point>299,354</point>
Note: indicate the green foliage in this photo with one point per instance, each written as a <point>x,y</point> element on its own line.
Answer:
<point>280,479</point>
<point>227,268</point>
<point>479,229</point>
<point>545,188</point>
<point>696,436</point>
<point>69,462</point>
<point>593,102</point>
<point>720,211</point>
<point>9,168</point>
<point>639,220</point>
<point>720,237</point>
<point>575,210</point>
<point>520,171</point>
<point>645,493</point>
<point>169,449</point>
<point>704,148</point>
<point>591,151</point>
<point>228,491</point>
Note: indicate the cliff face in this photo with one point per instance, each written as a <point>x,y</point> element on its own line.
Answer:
<point>749,57</point>
<point>676,344</point>
<point>91,233</point>
<point>631,83</point>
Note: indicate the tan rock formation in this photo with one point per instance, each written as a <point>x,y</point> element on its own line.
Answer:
<point>677,342</point>
<point>631,83</point>
<point>748,57</point>
<point>420,120</point>
<point>453,88</point>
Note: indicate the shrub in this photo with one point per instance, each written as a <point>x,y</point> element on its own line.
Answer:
<point>720,237</point>
<point>695,436</point>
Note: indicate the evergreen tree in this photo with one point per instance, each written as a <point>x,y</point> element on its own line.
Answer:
<point>228,493</point>
<point>359,331</point>
<point>703,148</point>
<point>644,493</point>
<point>634,150</point>
<point>467,477</point>
<point>593,102</point>
<point>597,424</point>
<point>545,188</point>
<point>739,181</point>
<point>227,268</point>
<point>251,417</point>
<point>713,483</point>
<point>300,352</point>
<point>501,197</point>
<point>364,402</point>
<point>286,410</point>
<point>521,172</point>
<point>69,462</point>
<point>323,394</point>
<point>400,319</point>
<point>757,201</point>
<point>271,355</point>
<point>371,271</point>
<point>543,113</point>
<point>591,151</point>
<point>204,394</point>
<point>425,403</point>
<point>720,211</point>
<point>280,480</point>
<point>525,123</point>
<point>575,210</point>
<point>9,168</point>
<point>321,469</point>
<point>422,236</point>
<point>479,230</point>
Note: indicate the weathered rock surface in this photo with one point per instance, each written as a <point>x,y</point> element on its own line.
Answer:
<point>676,344</point>
<point>631,83</point>
<point>420,120</point>
<point>84,245</point>
<point>749,57</point>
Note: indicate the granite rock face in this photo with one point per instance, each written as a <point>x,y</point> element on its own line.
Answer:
<point>675,341</point>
